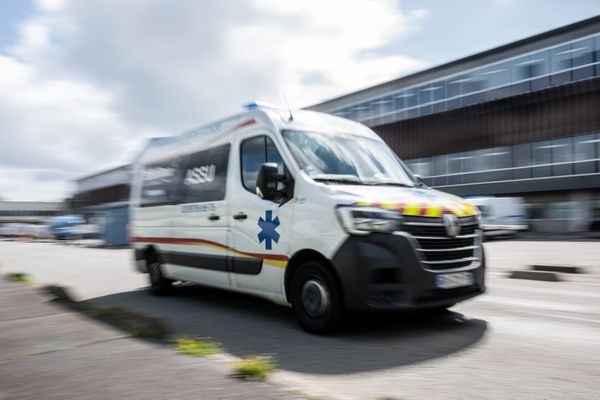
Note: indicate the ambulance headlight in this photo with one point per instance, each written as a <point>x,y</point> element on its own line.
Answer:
<point>363,220</point>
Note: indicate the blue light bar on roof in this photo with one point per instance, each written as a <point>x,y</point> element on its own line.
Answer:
<point>260,104</point>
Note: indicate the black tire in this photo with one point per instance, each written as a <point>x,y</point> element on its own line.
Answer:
<point>159,285</point>
<point>312,283</point>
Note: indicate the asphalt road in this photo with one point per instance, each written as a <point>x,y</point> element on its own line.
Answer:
<point>523,339</point>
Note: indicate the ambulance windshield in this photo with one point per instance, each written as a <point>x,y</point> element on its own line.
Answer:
<point>347,159</point>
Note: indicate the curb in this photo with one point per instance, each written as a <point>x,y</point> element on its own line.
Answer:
<point>566,269</point>
<point>536,276</point>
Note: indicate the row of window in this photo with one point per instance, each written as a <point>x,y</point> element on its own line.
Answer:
<point>29,213</point>
<point>202,176</point>
<point>558,157</point>
<point>545,68</point>
<point>562,210</point>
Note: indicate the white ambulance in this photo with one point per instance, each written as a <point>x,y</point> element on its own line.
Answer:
<point>304,209</point>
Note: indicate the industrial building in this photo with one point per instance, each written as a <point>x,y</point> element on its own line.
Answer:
<point>521,119</point>
<point>103,198</point>
<point>30,212</point>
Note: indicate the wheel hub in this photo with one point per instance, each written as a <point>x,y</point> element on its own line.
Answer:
<point>315,298</point>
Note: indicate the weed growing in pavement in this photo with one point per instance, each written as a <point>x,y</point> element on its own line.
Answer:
<point>60,293</point>
<point>18,277</point>
<point>255,368</point>
<point>146,330</point>
<point>197,347</point>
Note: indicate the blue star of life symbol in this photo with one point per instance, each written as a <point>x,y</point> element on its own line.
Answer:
<point>268,228</point>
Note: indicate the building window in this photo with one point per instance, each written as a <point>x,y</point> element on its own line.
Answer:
<point>561,210</point>
<point>562,152</point>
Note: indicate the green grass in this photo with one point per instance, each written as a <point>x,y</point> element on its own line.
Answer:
<point>145,330</point>
<point>257,368</point>
<point>18,278</point>
<point>197,347</point>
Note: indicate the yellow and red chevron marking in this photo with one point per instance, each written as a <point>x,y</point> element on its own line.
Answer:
<point>278,260</point>
<point>425,209</point>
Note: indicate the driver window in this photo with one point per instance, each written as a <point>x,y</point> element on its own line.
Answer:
<point>255,152</point>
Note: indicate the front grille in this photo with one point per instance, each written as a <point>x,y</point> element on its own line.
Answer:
<point>449,243</point>
<point>435,226</point>
<point>438,250</point>
<point>448,255</point>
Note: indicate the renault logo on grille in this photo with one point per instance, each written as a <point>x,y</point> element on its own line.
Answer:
<point>451,224</point>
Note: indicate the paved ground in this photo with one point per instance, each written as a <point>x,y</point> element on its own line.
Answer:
<point>524,339</point>
<point>49,352</point>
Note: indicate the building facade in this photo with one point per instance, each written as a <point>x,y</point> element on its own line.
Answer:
<point>521,120</point>
<point>103,198</point>
<point>30,212</point>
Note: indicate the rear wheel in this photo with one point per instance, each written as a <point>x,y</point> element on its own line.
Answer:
<point>316,299</point>
<point>159,284</point>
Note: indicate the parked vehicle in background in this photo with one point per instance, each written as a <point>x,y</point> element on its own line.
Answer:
<point>11,230</point>
<point>22,230</point>
<point>86,231</point>
<point>501,216</point>
<point>40,231</point>
<point>65,227</point>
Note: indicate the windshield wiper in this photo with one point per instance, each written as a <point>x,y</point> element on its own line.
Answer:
<point>359,182</point>
<point>339,180</point>
<point>388,184</point>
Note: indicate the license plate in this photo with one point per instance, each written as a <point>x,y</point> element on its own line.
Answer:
<point>454,280</point>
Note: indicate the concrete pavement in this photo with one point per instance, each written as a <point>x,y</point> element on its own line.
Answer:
<point>523,339</point>
<point>49,352</point>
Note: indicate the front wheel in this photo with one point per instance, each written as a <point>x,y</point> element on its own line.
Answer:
<point>316,299</point>
<point>159,284</point>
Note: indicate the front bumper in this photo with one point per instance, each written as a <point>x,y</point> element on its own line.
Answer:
<point>384,272</point>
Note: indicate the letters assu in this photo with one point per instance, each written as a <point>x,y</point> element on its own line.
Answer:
<point>202,174</point>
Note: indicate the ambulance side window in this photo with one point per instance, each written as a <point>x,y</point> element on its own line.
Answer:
<point>157,183</point>
<point>254,152</point>
<point>202,176</point>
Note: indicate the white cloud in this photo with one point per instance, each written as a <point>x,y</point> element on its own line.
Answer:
<point>51,5</point>
<point>53,131</point>
<point>88,80</point>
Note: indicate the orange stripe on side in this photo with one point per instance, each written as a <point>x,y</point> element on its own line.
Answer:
<point>271,258</point>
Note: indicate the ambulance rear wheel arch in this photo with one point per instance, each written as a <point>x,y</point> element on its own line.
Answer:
<point>302,257</point>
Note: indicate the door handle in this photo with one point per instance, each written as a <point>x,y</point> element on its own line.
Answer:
<point>213,217</point>
<point>240,216</point>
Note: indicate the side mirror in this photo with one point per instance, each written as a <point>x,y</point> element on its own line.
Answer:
<point>267,180</point>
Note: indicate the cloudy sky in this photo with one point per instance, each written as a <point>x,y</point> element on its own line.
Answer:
<point>84,82</point>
